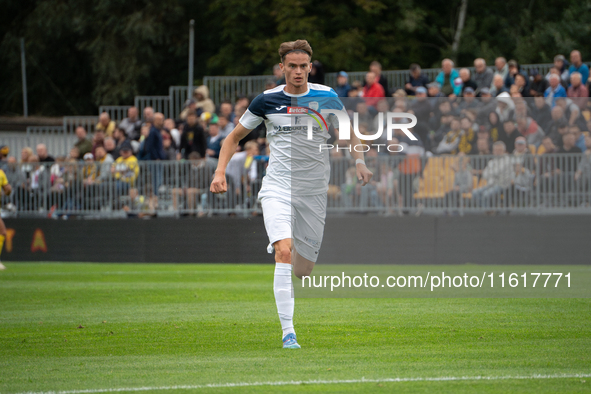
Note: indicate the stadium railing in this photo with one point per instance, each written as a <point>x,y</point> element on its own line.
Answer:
<point>528,184</point>
<point>159,103</point>
<point>230,87</point>
<point>116,112</point>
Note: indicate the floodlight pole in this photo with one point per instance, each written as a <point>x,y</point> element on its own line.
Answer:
<point>191,56</point>
<point>24,74</point>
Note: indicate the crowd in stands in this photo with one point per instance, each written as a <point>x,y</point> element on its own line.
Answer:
<point>503,112</point>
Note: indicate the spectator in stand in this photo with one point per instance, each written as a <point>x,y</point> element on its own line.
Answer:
<point>190,106</point>
<point>132,124</point>
<point>558,125</point>
<point>530,129</point>
<point>521,183</point>
<point>227,110</point>
<point>505,107</point>
<point>555,90</point>
<point>434,90</point>
<point>497,174</point>
<point>120,137</point>
<point>463,182</point>
<point>538,84</point>
<point>579,137</point>
<point>84,145</point>
<point>170,126</point>
<point>566,166</point>
<point>42,154</point>
<point>568,144</point>
<point>125,170</point>
<point>422,109</point>
<point>204,103</point>
<point>483,76</point>
<point>447,79</point>
<point>214,141</point>
<point>111,147</point>
<point>225,125</point>
<point>168,147</point>
<point>193,138</point>
<point>561,66</point>
<point>583,174</point>
<point>469,100</point>
<point>509,135</point>
<point>467,82</point>
<point>148,115</point>
<point>498,87</point>
<point>74,154</point>
<point>487,105</point>
<point>104,162</point>
<point>501,68</point>
<point>541,113</point>
<point>89,170</point>
<point>521,83</point>
<point>342,89</point>
<point>152,148</point>
<point>97,140</point>
<point>468,137</point>
<point>449,144</point>
<point>572,112</point>
<point>479,162</point>
<point>278,74</point>
<point>577,90</point>
<point>373,91</point>
<point>105,124</point>
<point>578,66</point>
<point>522,154</point>
<point>376,68</point>
<point>416,78</point>
<point>513,68</point>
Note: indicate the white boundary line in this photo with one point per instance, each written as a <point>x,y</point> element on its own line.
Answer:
<point>300,382</point>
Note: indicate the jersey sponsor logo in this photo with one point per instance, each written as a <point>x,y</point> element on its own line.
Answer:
<point>297,110</point>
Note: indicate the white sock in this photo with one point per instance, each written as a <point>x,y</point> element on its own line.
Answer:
<point>282,288</point>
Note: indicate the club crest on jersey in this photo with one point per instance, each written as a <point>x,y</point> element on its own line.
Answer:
<point>313,105</point>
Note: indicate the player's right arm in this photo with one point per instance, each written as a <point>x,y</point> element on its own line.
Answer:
<point>228,148</point>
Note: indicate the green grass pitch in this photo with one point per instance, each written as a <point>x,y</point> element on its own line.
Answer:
<point>108,326</point>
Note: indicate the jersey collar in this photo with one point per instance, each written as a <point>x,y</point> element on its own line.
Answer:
<point>297,95</point>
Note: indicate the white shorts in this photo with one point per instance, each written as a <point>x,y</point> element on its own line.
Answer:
<point>298,218</point>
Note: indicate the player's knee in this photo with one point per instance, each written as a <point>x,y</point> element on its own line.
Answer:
<point>283,253</point>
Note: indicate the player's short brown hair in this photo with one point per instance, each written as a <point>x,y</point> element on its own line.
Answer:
<point>294,46</point>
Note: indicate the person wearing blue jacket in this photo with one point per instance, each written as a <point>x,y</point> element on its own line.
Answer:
<point>447,79</point>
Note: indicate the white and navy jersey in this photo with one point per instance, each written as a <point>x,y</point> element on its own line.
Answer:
<point>297,165</point>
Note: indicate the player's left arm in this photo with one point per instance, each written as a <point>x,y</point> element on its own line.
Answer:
<point>363,173</point>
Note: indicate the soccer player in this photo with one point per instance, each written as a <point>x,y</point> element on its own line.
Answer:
<point>294,190</point>
<point>7,189</point>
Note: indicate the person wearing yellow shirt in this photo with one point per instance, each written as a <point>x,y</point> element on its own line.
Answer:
<point>6,189</point>
<point>125,170</point>
<point>105,124</point>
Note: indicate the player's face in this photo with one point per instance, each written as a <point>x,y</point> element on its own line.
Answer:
<point>296,67</point>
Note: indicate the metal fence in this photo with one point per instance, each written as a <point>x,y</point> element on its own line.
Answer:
<point>72,122</point>
<point>58,142</point>
<point>116,112</point>
<point>230,87</point>
<point>178,95</point>
<point>158,103</point>
<point>413,185</point>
